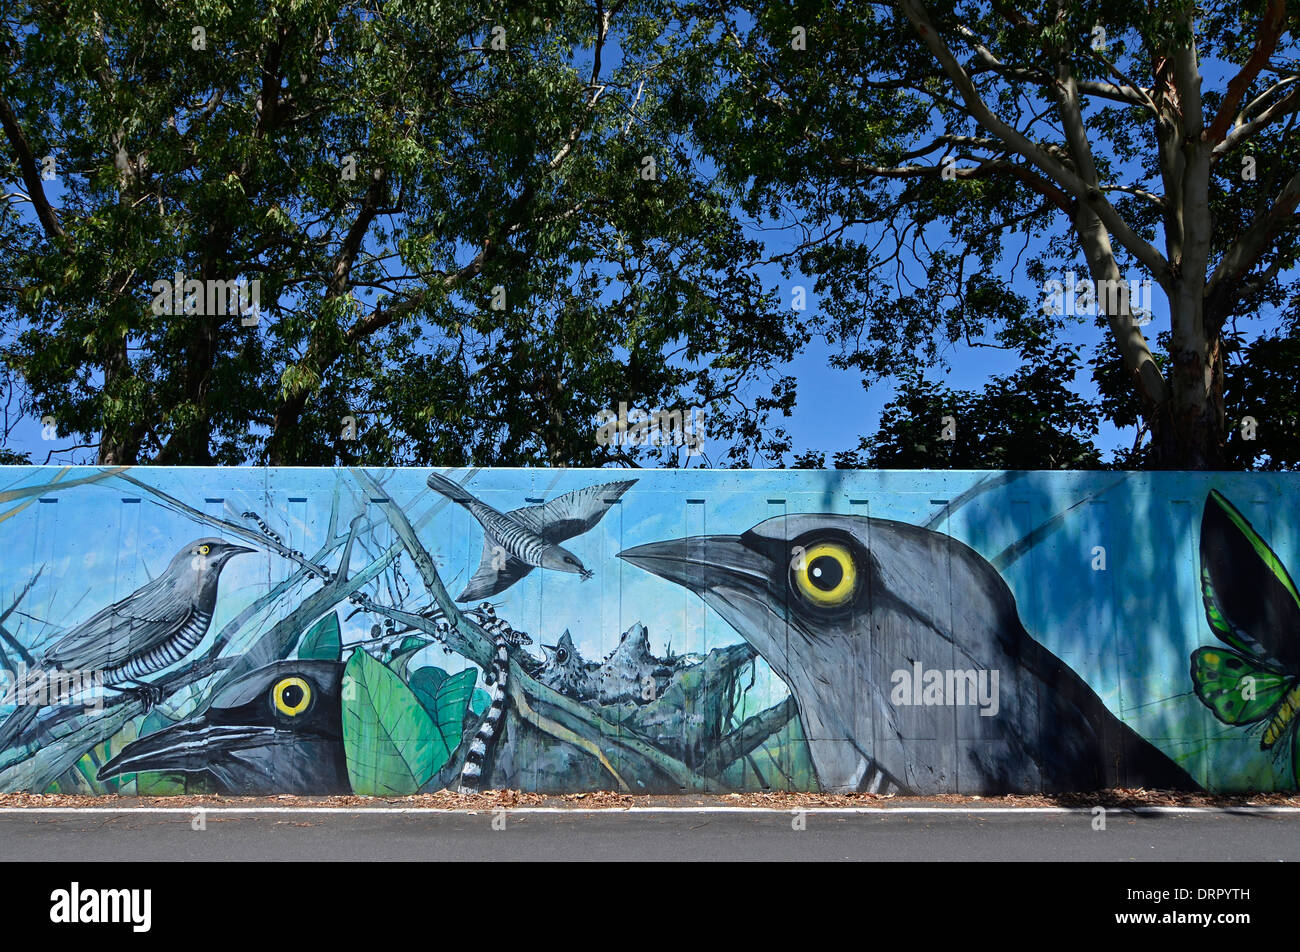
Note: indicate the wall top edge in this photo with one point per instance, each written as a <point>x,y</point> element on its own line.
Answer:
<point>1221,474</point>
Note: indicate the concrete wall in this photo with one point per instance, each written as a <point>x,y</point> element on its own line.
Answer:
<point>651,631</point>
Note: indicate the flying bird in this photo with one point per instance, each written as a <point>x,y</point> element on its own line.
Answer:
<point>516,542</point>
<point>143,633</point>
<point>846,609</point>
<point>278,729</point>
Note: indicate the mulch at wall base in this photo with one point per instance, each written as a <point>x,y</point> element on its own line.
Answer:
<point>493,799</point>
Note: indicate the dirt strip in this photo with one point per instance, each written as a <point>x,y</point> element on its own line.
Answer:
<point>492,799</point>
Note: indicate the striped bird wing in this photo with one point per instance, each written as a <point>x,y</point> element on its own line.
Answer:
<point>489,580</point>
<point>134,625</point>
<point>573,513</point>
<point>458,493</point>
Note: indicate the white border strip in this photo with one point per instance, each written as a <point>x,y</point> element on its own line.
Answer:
<point>581,811</point>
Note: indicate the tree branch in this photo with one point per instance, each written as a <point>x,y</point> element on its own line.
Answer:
<point>1266,37</point>
<point>1071,183</point>
<point>1224,287</point>
<point>31,175</point>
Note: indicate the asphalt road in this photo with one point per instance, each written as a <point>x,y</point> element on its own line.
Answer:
<point>694,836</point>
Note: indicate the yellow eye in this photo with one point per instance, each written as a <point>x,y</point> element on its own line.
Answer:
<point>204,549</point>
<point>292,696</point>
<point>825,574</point>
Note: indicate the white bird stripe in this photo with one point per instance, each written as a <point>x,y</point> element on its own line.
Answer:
<point>517,540</point>
<point>170,651</point>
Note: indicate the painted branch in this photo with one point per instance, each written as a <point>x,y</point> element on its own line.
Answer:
<point>750,735</point>
<point>26,492</point>
<point>249,535</point>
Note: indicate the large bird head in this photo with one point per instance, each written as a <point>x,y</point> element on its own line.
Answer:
<point>205,556</point>
<point>837,604</point>
<point>275,730</point>
<point>805,577</point>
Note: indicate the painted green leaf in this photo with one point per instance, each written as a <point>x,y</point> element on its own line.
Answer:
<point>404,652</point>
<point>392,743</point>
<point>446,698</point>
<point>425,683</point>
<point>322,641</point>
<point>449,705</point>
<point>479,702</point>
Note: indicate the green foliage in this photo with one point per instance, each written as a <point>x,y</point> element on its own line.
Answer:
<point>323,641</point>
<point>474,168</point>
<point>402,655</point>
<point>392,743</point>
<point>1263,383</point>
<point>446,698</point>
<point>478,169</point>
<point>848,138</point>
<point>1029,419</point>
<point>425,682</point>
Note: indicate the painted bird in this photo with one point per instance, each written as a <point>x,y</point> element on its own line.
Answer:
<point>141,634</point>
<point>277,729</point>
<point>516,542</point>
<point>564,669</point>
<point>631,672</point>
<point>845,608</point>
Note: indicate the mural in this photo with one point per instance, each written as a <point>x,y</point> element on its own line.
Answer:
<point>293,631</point>
<point>1252,605</point>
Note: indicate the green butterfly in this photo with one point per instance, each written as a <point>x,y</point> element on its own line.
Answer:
<point>1252,605</point>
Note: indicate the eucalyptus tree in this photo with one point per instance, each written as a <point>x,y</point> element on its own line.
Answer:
<point>933,153</point>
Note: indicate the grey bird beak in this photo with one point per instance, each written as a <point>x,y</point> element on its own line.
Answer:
<point>734,579</point>
<point>238,549</point>
<point>703,562</point>
<point>746,585</point>
<point>187,746</point>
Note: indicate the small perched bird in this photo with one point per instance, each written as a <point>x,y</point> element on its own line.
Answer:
<point>278,729</point>
<point>144,632</point>
<point>847,610</point>
<point>629,673</point>
<point>516,542</point>
<point>563,667</point>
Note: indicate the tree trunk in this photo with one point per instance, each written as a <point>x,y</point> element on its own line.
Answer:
<point>284,446</point>
<point>117,448</point>
<point>1189,431</point>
